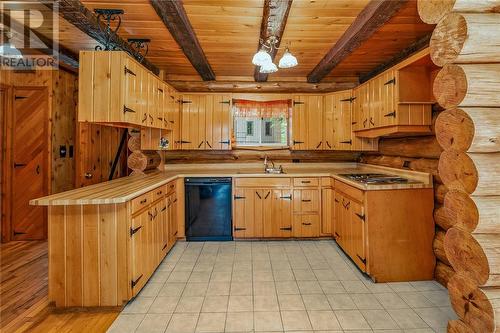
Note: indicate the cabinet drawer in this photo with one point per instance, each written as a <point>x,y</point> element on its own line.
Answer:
<point>141,202</point>
<point>326,181</point>
<point>304,182</point>
<point>264,182</point>
<point>170,187</point>
<point>157,193</point>
<point>350,191</point>
<point>306,225</point>
<point>306,201</point>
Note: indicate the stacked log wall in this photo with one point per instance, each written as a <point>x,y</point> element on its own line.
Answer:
<point>467,44</point>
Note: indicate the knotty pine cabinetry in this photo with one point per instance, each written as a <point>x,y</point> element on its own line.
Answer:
<point>103,254</point>
<point>387,233</point>
<point>396,102</point>
<point>307,122</point>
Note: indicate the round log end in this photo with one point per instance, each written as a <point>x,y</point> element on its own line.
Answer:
<point>463,211</point>
<point>448,39</point>
<point>454,130</point>
<point>457,171</point>
<point>134,143</point>
<point>450,86</point>
<point>431,11</point>
<point>466,255</point>
<point>458,326</point>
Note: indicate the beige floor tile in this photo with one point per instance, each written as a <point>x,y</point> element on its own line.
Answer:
<point>223,276</point>
<point>325,275</point>
<point>437,297</point>
<point>164,304</point>
<point>189,304</point>
<point>242,276</point>
<point>261,265</point>
<point>341,302</point>
<point>377,287</point>
<point>154,323</point>
<point>239,322</point>
<point>295,320</point>
<point>126,323</point>
<point>265,303</point>
<point>355,287</point>
<point>309,287</point>
<point>401,286</point>
<point>332,287</point>
<point>427,285</point>
<point>139,305</point>
<point>304,275</point>
<point>415,299</point>
<point>366,301</point>
<point>287,287</point>
<point>269,321</point>
<point>283,275</point>
<point>316,302</point>
<point>323,320</point>
<point>351,320</point>
<point>179,276</point>
<point>241,288</point>
<point>182,323</point>
<point>172,289</point>
<point>240,303</point>
<point>280,264</point>
<point>218,288</point>
<point>290,302</point>
<point>264,288</point>
<point>391,301</point>
<point>379,319</point>
<point>160,277</point>
<point>407,318</point>
<point>151,289</point>
<point>195,289</point>
<point>434,317</point>
<point>199,277</point>
<point>259,276</point>
<point>215,304</point>
<point>211,322</point>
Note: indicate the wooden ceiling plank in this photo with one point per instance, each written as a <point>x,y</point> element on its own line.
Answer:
<point>274,17</point>
<point>371,18</point>
<point>174,17</point>
<point>416,46</point>
<point>78,15</point>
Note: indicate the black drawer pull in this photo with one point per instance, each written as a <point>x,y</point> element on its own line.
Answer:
<point>347,141</point>
<point>306,200</point>
<point>128,71</point>
<point>267,195</point>
<point>225,142</point>
<point>143,201</point>
<point>258,194</point>
<point>297,142</point>
<point>126,109</point>
<point>306,182</point>
<point>286,228</point>
<point>363,260</point>
<point>164,246</point>
<point>288,197</point>
<point>18,165</point>
<point>237,197</point>
<point>306,223</point>
<point>390,114</point>
<point>133,231</point>
<point>159,192</point>
<point>362,217</point>
<point>239,229</point>
<point>134,282</point>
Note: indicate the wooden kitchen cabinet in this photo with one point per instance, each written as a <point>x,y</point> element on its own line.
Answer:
<point>281,214</point>
<point>252,208</point>
<point>173,229</point>
<point>327,211</point>
<point>193,116</point>
<point>307,122</point>
<point>139,251</point>
<point>306,200</point>
<point>307,225</point>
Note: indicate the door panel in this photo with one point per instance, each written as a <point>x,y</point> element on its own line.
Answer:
<point>306,201</point>
<point>30,163</point>
<point>314,113</point>
<point>138,251</point>
<point>306,225</point>
<point>329,123</point>
<point>299,123</point>
<point>358,235</point>
<point>193,122</point>
<point>218,128</point>
<point>327,209</point>
<point>342,119</point>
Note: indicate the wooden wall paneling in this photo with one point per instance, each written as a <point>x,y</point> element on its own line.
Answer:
<point>57,254</point>
<point>74,256</point>
<point>90,255</point>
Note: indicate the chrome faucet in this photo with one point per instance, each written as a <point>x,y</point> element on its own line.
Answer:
<point>272,169</point>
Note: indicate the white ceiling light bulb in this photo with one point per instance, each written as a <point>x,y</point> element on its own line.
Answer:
<point>261,57</point>
<point>268,68</point>
<point>8,50</point>
<point>288,60</point>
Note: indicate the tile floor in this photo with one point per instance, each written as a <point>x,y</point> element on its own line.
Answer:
<point>277,286</point>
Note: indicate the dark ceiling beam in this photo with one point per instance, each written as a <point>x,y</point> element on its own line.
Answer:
<point>274,16</point>
<point>78,15</point>
<point>416,46</point>
<point>369,20</point>
<point>174,17</point>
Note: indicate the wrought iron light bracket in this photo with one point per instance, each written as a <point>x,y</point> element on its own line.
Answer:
<point>270,43</point>
<point>108,16</point>
<point>141,47</point>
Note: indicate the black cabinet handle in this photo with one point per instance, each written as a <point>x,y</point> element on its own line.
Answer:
<point>164,209</point>
<point>371,121</point>
<point>393,81</point>
<point>362,217</point>
<point>286,228</point>
<point>239,229</point>
<point>319,144</point>
<point>347,141</point>
<point>306,223</point>
<point>306,182</point>
<point>328,144</point>
<point>225,102</point>
<point>160,90</point>
<point>175,233</point>
<point>151,117</point>
<point>143,201</point>
<point>363,260</point>
<point>364,122</point>
<point>258,194</point>
<point>128,71</point>
<point>390,114</point>
<point>164,246</point>
<point>200,144</point>
<point>267,195</point>
<point>37,170</point>
<point>237,197</point>
<point>19,165</point>
<point>126,109</point>
<point>145,117</point>
<point>297,142</point>
<point>225,142</point>
<point>134,282</point>
<point>306,200</point>
<point>337,235</point>
<point>335,200</point>
<point>133,231</point>
<point>288,197</point>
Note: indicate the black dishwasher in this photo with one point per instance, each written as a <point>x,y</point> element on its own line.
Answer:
<point>208,209</point>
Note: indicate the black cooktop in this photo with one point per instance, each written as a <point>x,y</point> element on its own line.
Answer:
<point>376,178</point>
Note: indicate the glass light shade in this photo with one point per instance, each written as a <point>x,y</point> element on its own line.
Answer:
<point>8,50</point>
<point>260,58</point>
<point>288,60</point>
<point>268,68</point>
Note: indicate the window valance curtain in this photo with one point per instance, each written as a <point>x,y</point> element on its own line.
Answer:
<point>257,109</point>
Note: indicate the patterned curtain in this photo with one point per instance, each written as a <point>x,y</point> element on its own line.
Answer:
<point>256,109</point>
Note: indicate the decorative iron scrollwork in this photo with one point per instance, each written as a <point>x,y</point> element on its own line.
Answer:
<point>108,16</point>
<point>140,46</point>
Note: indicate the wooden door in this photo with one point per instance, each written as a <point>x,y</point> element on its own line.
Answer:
<point>327,211</point>
<point>342,119</point>
<point>388,98</point>
<point>29,169</point>
<point>329,123</point>
<point>338,219</point>
<point>358,241</point>
<point>133,112</point>
<point>164,223</point>
<point>244,212</point>
<point>298,137</point>
<point>218,122</point>
<point>193,122</point>
<point>375,99</point>
<point>360,120</point>
<point>138,254</point>
<point>172,219</point>
<point>281,213</point>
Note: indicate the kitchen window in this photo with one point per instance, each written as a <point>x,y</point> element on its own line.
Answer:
<point>261,124</point>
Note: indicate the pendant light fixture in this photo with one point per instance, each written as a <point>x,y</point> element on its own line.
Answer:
<point>263,58</point>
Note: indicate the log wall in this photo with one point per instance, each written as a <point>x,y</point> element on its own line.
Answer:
<point>465,43</point>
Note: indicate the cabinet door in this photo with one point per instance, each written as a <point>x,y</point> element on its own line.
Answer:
<point>132,94</point>
<point>265,205</point>
<point>358,240</point>
<point>327,208</point>
<point>164,226</point>
<point>298,137</point>
<point>172,219</point>
<point>193,122</point>
<point>244,212</point>
<point>306,201</point>
<point>306,225</point>
<point>314,111</point>
<point>281,213</point>
<point>218,122</point>
<point>388,98</point>
<point>342,119</point>
<point>329,123</point>
<point>375,100</point>
<point>138,254</point>
<point>357,109</point>
<point>152,100</point>
<point>161,110</point>
<point>175,120</point>
<point>338,219</point>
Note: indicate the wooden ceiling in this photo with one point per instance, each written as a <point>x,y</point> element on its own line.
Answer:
<point>228,32</point>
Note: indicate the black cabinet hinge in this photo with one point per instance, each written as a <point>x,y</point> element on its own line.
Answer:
<point>350,99</point>
<point>237,197</point>
<point>286,228</point>
<point>348,142</point>
<point>288,197</point>
<point>239,229</point>
<point>19,233</point>
<point>362,217</point>
<point>133,283</point>
<point>185,102</point>
<point>391,81</point>
<point>128,71</point>
<point>297,103</point>
<point>297,142</point>
<point>390,114</point>
<point>20,97</point>
<point>133,231</point>
<point>126,109</point>
<point>363,260</point>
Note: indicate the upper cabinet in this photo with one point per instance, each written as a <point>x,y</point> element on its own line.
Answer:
<point>307,122</point>
<point>398,101</point>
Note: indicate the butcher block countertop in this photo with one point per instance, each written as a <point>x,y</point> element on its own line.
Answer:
<point>124,189</point>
